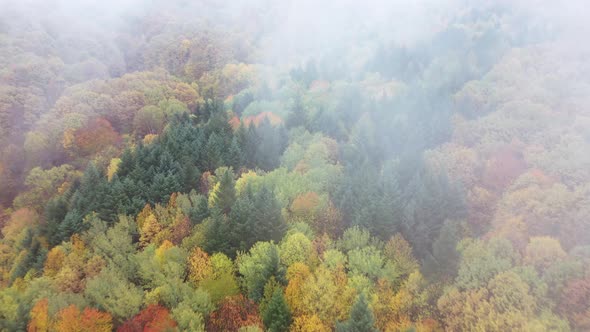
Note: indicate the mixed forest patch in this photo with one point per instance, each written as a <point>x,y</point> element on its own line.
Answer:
<point>185,166</point>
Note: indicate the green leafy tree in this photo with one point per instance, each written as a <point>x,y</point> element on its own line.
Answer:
<point>481,261</point>
<point>257,266</point>
<point>113,293</point>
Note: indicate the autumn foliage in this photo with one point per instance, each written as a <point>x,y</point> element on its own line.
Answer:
<point>257,119</point>
<point>97,135</point>
<point>154,318</point>
<point>40,320</point>
<point>233,313</point>
<point>574,303</point>
<point>71,319</point>
<point>213,166</point>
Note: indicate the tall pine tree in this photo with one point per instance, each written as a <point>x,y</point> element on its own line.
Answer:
<point>361,318</point>
<point>277,316</point>
<point>224,192</point>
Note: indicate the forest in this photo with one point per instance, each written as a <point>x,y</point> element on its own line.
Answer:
<point>294,166</point>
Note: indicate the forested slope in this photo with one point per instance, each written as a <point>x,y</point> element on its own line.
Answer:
<point>198,166</point>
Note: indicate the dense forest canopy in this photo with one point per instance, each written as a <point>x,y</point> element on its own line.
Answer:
<point>294,165</point>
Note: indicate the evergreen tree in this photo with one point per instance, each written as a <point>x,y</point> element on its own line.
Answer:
<point>189,175</point>
<point>93,189</point>
<point>162,186</point>
<point>277,316</point>
<point>268,222</point>
<point>224,195</point>
<point>55,212</point>
<point>92,195</point>
<point>217,235</point>
<point>117,202</point>
<point>256,216</point>
<point>356,195</point>
<point>250,142</point>
<point>361,318</point>
<point>137,196</point>
<point>443,263</point>
<point>127,163</point>
<point>219,123</point>
<point>214,151</point>
<point>272,143</point>
<point>241,101</point>
<point>297,116</point>
<point>71,224</point>
<point>242,218</point>
<point>199,210</point>
<point>31,257</point>
<point>235,155</point>
<point>430,200</point>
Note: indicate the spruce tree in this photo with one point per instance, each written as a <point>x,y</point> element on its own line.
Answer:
<point>251,142</point>
<point>55,212</point>
<point>273,142</point>
<point>117,202</point>
<point>90,192</point>
<point>361,318</point>
<point>189,175</point>
<point>296,116</point>
<point>217,231</point>
<point>224,194</point>
<point>235,155</point>
<point>269,223</point>
<point>277,316</point>
<point>162,186</point>
<point>199,210</point>
<point>71,224</point>
<point>214,151</point>
<point>242,218</point>
<point>127,163</point>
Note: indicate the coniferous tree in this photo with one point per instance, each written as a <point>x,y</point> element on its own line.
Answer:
<point>91,196</point>
<point>219,123</point>
<point>242,233</point>
<point>199,210</point>
<point>127,163</point>
<point>361,318</point>
<point>269,223</point>
<point>224,195</point>
<point>217,235</point>
<point>91,192</point>
<point>71,224</point>
<point>55,212</point>
<point>189,175</point>
<point>272,143</point>
<point>162,186</point>
<point>116,202</point>
<point>235,155</point>
<point>137,196</point>
<point>297,116</point>
<point>430,200</point>
<point>214,151</point>
<point>277,316</point>
<point>445,258</point>
<point>250,141</point>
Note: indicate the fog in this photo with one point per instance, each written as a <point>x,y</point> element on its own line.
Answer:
<point>424,163</point>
